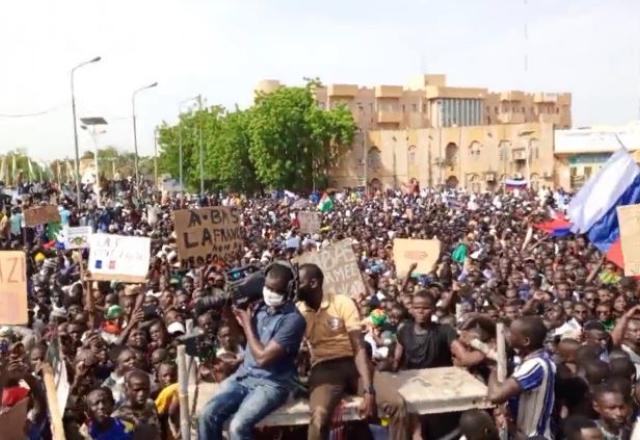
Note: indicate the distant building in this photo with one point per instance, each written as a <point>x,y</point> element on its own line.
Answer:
<point>581,152</point>
<point>428,102</point>
<point>440,134</point>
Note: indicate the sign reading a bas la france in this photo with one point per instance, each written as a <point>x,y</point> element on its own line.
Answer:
<point>339,265</point>
<point>424,253</point>
<point>13,288</point>
<point>214,231</point>
<point>629,220</point>
<point>119,258</point>
<point>41,215</point>
<point>309,222</point>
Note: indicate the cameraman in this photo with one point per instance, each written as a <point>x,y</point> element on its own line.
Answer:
<point>274,329</point>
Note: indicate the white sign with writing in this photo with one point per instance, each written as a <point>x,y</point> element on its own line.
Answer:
<point>76,237</point>
<point>119,258</point>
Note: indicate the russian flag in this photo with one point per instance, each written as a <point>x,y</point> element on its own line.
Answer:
<point>515,184</point>
<point>557,226</point>
<point>593,210</point>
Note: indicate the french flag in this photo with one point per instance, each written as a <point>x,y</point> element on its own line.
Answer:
<point>593,210</point>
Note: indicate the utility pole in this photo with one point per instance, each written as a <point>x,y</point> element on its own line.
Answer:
<point>201,148</point>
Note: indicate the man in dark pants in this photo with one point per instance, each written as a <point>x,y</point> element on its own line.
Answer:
<point>339,359</point>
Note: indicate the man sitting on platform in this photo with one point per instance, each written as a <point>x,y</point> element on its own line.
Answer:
<point>274,331</point>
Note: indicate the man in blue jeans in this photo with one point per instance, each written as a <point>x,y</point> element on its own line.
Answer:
<point>274,331</point>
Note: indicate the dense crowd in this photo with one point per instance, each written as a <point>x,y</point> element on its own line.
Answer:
<point>572,318</point>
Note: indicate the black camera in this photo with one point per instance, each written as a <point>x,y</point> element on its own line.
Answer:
<point>247,290</point>
<point>203,346</point>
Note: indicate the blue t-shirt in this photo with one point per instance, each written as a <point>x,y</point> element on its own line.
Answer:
<point>16,223</point>
<point>65,214</point>
<point>119,430</point>
<point>286,326</point>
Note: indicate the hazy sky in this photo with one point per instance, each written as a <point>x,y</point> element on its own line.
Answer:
<point>222,48</point>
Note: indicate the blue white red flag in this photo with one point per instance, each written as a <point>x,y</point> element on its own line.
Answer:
<point>593,209</point>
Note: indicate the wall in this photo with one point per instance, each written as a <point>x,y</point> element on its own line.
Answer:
<point>476,157</point>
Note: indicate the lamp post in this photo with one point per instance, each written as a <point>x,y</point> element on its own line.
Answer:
<point>135,134</point>
<point>75,125</point>
<point>180,156</point>
<point>93,123</point>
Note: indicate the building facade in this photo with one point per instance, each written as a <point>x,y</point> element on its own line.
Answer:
<point>437,134</point>
<point>428,102</point>
<point>581,152</point>
<point>477,158</point>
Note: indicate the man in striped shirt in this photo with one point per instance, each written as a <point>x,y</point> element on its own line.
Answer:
<point>531,386</point>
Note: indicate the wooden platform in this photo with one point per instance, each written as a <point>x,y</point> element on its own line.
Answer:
<point>428,391</point>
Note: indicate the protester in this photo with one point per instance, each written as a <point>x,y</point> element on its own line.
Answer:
<point>572,325</point>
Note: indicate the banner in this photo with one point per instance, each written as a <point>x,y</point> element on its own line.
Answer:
<point>76,237</point>
<point>13,288</point>
<point>41,215</point>
<point>309,222</point>
<point>213,231</point>
<point>340,268</point>
<point>119,258</point>
<point>424,253</point>
<point>629,220</point>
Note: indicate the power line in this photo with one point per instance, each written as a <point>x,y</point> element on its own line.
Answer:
<point>34,114</point>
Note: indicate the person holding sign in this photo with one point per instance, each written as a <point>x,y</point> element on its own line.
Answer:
<point>339,359</point>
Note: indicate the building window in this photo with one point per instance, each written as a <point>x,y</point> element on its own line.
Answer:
<point>475,149</point>
<point>424,108</point>
<point>402,108</point>
<point>414,108</point>
<point>557,110</point>
<point>523,110</point>
<point>495,109</point>
<point>411,155</point>
<point>451,154</point>
<point>374,160</point>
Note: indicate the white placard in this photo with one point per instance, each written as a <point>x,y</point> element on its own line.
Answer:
<point>119,258</point>
<point>76,237</point>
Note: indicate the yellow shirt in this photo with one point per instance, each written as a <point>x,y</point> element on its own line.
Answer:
<point>328,329</point>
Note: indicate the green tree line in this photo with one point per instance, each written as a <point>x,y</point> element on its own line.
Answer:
<point>284,141</point>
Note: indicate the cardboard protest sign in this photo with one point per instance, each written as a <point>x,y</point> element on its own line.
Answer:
<point>12,421</point>
<point>119,258</point>
<point>629,220</point>
<point>339,265</point>
<point>208,231</point>
<point>76,237</point>
<point>309,222</point>
<point>41,215</point>
<point>423,252</point>
<point>13,288</point>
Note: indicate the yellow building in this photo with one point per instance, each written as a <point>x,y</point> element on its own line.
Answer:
<point>477,158</point>
<point>439,134</point>
<point>581,152</point>
<point>427,102</point>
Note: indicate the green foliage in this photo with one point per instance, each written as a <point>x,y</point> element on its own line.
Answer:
<point>283,141</point>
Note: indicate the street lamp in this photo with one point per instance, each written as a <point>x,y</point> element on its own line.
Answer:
<point>135,134</point>
<point>93,123</point>
<point>75,125</point>
<point>180,156</point>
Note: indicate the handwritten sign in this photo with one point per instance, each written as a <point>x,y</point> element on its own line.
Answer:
<point>41,215</point>
<point>119,258</point>
<point>213,231</point>
<point>13,288</point>
<point>340,268</point>
<point>309,222</point>
<point>76,237</point>
<point>629,220</point>
<point>424,253</point>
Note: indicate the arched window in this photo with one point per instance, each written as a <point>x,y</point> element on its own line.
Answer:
<point>374,159</point>
<point>451,154</point>
<point>475,148</point>
<point>411,155</point>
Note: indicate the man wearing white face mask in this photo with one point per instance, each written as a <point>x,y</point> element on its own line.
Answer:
<point>274,329</point>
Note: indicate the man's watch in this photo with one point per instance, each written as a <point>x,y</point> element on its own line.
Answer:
<point>370,390</point>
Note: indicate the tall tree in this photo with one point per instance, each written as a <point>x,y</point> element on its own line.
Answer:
<point>293,140</point>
